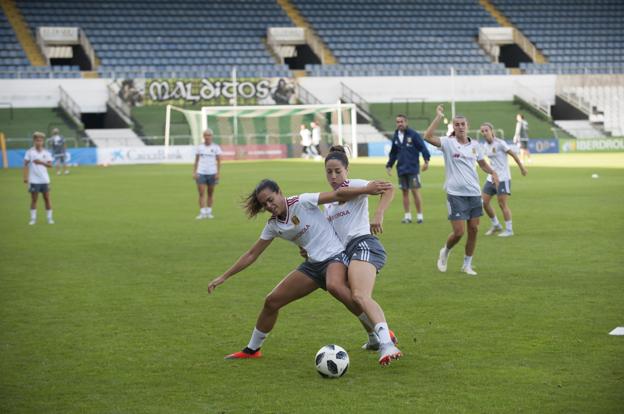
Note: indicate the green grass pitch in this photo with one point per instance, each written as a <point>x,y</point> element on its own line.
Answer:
<point>107,312</point>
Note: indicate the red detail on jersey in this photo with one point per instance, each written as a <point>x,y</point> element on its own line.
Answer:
<point>292,200</point>
<point>344,184</point>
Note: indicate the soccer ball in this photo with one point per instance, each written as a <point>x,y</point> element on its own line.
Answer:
<point>332,361</point>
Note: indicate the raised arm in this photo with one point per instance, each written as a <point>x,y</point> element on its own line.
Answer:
<point>349,193</point>
<point>435,141</point>
<point>376,225</point>
<point>488,169</point>
<point>243,262</point>
<point>523,170</point>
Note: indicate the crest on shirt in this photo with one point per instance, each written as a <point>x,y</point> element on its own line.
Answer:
<point>409,140</point>
<point>474,151</point>
<point>295,220</point>
<point>493,150</point>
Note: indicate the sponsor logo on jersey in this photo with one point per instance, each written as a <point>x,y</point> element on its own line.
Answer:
<point>302,232</point>
<point>338,215</point>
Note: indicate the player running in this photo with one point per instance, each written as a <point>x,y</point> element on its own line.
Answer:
<point>299,220</point>
<point>206,173</point>
<point>36,161</point>
<point>462,186</point>
<point>365,254</point>
<point>496,150</point>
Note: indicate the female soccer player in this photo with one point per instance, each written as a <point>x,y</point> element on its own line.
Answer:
<point>36,160</point>
<point>299,220</point>
<point>365,254</point>
<point>206,173</point>
<point>461,184</point>
<point>496,149</point>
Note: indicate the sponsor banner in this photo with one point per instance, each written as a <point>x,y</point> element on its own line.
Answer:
<point>59,35</point>
<point>185,154</point>
<point>208,91</point>
<point>382,149</point>
<point>596,144</point>
<point>544,146</point>
<point>74,156</point>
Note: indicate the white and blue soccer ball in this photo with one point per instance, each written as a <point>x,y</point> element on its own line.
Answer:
<point>332,361</point>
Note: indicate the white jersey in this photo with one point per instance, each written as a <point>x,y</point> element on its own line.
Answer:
<point>37,174</point>
<point>350,219</point>
<point>497,153</point>
<point>459,166</point>
<point>207,164</point>
<point>306,226</point>
<point>306,137</point>
<point>316,135</point>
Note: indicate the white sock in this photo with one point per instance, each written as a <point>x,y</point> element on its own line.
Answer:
<point>202,211</point>
<point>369,326</point>
<point>408,216</point>
<point>257,339</point>
<point>508,225</point>
<point>208,210</point>
<point>495,221</point>
<point>467,261</point>
<point>419,216</point>
<point>49,214</point>
<point>33,214</point>
<point>383,333</point>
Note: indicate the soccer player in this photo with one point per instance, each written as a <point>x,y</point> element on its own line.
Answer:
<point>206,172</point>
<point>36,162</point>
<point>299,220</point>
<point>407,145</point>
<point>521,138</point>
<point>316,138</point>
<point>59,151</point>
<point>461,183</point>
<point>365,254</point>
<point>496,150</point>
<point>306,141</point>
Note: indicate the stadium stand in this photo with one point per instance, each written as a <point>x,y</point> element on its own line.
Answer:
<point>398,38</point>
<point>577,36</point>
<point>160,38</point>
<point>12,56</point>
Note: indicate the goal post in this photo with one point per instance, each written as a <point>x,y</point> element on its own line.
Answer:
<point>239,125</point>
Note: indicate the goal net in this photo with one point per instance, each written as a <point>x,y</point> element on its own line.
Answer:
<point>267,124</point>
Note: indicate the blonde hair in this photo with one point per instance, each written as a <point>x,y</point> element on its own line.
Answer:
<point>38,134</point>
<point>489,125</point>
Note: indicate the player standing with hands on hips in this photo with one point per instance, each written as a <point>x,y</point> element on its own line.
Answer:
<point>206,173</point>
<point>407,145</point>
<point>461,183</point>
<point>36,161</point>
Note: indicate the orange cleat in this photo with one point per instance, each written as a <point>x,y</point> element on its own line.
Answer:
<point>244,355</point>
<point>393,337</point>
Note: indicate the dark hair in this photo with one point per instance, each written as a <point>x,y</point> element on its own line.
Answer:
<point>337,152</point>
<point>251,204</point>
<point>401,116</point>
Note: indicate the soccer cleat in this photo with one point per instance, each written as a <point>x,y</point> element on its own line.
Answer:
<point>506,233</point>
<point>58,173</point>
<point>374,346</point>
<point>406,220</point>
<point>244,355</point>
<point>209,215</point>
<point>200,217</point>
<point>32,222</point>
<point>468,270</point>
<point>442,260</point>
<point>387,353</point>
<point>50,221</point>
<point>494,229</point>
<point>66,172</point>
<point>419,221</point>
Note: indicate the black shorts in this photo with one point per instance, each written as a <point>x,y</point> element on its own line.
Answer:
<point>39,188</point>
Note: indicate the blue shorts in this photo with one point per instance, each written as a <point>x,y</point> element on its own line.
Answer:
<point>366,248</point>
<point>464,207</point>
<point>39,188</point>
<point>317,270</point>
<point>59,156</point>
<point>208,179</point>
<point>504,187</point>
<point>409,181</point>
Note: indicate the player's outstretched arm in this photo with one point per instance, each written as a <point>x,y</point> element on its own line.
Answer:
<point>429,137</point>
<point>523,170</point>
<point>488,169</point>
<point>376,225</point>
<point>243,262</point>
<point>374,187</point>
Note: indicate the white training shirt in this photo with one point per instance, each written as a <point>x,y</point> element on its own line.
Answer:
<point>316,135</point>
<point>306,226</point>
<point>350,219</point>
<point>459,166</point>
<point>37,174</point>
<point>306,137</point>
<point>497,153</point>
<point>207,164</point>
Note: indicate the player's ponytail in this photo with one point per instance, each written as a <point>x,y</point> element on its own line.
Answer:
<point>251,204</point>
<point>338,152</point>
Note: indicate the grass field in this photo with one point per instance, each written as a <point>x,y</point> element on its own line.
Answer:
<point>106,311</point>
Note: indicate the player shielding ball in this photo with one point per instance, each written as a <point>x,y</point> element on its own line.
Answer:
<point>463,191</point>
<point>299,220</point>
<point>36,162</point>
<point>206,172</point>
<point>497,150</point>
